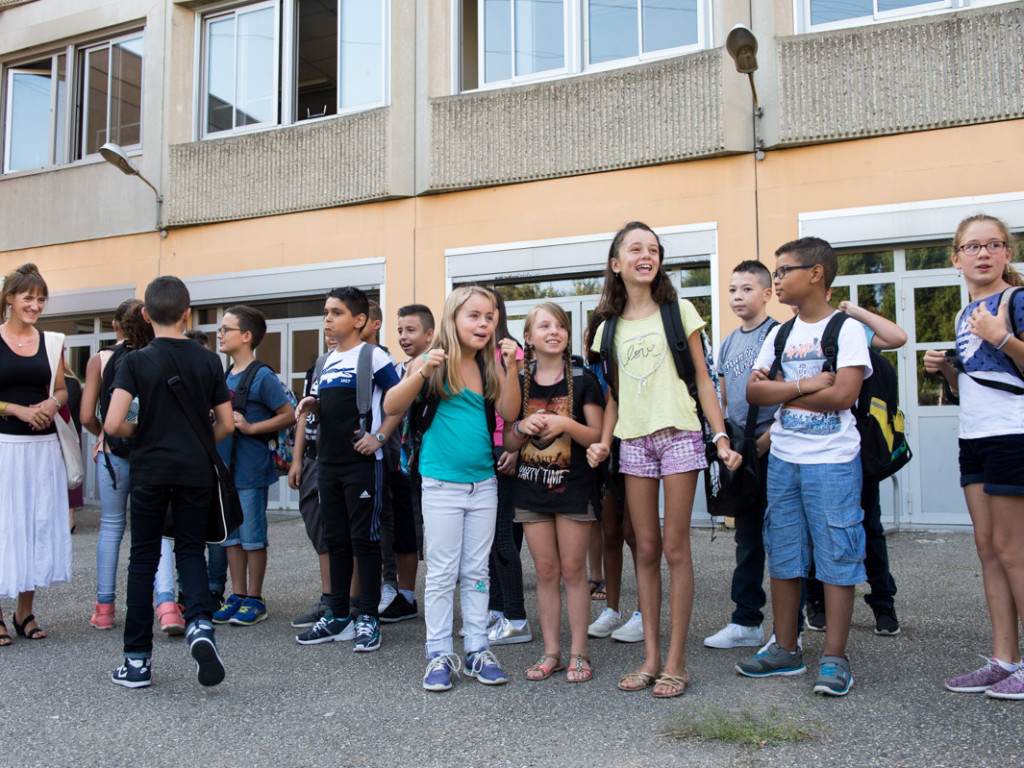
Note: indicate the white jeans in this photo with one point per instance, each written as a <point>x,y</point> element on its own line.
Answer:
<point>458,528</point>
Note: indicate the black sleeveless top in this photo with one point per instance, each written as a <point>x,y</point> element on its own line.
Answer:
<point>23,381</point>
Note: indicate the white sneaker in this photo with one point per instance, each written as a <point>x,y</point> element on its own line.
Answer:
<point>604,624</point>
<point>632,631</point>
<point>799,643</point>
<point>387,595</point>
<point>736,636</point>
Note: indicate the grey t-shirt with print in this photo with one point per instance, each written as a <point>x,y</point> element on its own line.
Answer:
<point>735,361</point>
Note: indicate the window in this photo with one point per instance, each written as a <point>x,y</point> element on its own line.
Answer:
<point>510,41</point>
<point>256,75</point>
<point>105,105</point>
<point>828,14</point>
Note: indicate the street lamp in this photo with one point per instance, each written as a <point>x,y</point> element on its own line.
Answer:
<point>742,46</point>
<point>117,157</point>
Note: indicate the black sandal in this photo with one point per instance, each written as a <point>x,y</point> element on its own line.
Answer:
<point>33,634</point>
<point>5,639</point>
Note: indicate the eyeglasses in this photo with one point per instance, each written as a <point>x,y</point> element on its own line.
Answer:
<point>973,249</point>
<point>224,330</point>
<point>781,272</point>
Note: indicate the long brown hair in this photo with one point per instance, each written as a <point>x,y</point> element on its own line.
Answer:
<point>1010,275</point>
<point>562,317</point>
<point>613,295</point>
<point>22,280</point>
<point>446,381</point>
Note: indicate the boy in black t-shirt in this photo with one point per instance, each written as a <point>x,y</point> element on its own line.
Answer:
<point>170,466</point>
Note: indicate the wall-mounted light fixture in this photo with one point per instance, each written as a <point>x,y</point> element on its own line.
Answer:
<point>116,156</point>
<point>742,46</point>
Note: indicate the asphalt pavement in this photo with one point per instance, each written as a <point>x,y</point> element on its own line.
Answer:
<point>283,704</point>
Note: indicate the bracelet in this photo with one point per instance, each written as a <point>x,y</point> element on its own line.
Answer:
<point>56,401</point>
<point>425,377</point>
<point>515,428</point>
<point>715,437</point>
<point>3,411</point>
<point>798,390</point>
<point>1005,339</point>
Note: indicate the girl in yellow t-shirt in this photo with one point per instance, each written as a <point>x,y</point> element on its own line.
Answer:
<point>656,420</point>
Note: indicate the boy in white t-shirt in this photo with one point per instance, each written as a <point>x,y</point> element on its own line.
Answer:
<point>814,470</point>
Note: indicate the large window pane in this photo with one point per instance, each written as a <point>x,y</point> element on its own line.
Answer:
<point>317,64</point>
<point>97,84</point>
<point>220,75</point>
<point>669,24</point>
<point>866,263</point>
<point>613,30</point>
<point>497,40</point>
<point>933,257</point>
<point>896,5</point>
<point>879,298</point>
<point>28,114</point>
<point>540,36</point>
<point>255,74</point>
<point>827,11</point>
<point>934,312</point>
<point>362,39</point>
<point>126,92</point>
<point>60,144</point>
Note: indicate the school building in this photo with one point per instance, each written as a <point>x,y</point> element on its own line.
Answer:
<point>408,146</point>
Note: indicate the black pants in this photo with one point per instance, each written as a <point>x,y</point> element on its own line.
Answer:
<point>188,508</point>
<point>350,507</point>
<point>505,563</point>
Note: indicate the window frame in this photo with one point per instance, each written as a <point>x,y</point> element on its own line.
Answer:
<point>81,102</point>
<point>802,13</point>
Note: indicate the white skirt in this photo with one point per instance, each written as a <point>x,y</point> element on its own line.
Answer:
<point>35,535</point>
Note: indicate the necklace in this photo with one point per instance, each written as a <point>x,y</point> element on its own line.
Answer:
<point>7,338</point>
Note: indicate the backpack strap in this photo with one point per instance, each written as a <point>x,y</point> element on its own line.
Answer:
<point>781,337</point>
<point>830,341</point>
<point>608,362</point>
<point>1006,297</point>
<point>675,336</point>
<point>364,389</point>
<point>240,401</point>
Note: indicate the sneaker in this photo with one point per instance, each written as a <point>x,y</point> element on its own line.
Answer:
<point>736,636</point>
<point>484,667</point>
<point>311,617</point>
<point>773,660</point>
<point>134,673</point>
<point>202,648</point>
<point>604,624</point>
<point>1010,688</point>
<point>228,609</point>
<point>171,620</point>
<point>102,616</point>
<point>632,631</point>
<point>834,678</point>
<point>979,680</point>
<point>886,622</point>
<point>252,611</point>
<point>799,643</point>
<point>400,609</point>
<point>328,628</point>
<point>367,634</point>
<point>387,595</point>
<point>440,669</point>
<point>816,617</point>
<point>504,632</point>
<point>492,619</point>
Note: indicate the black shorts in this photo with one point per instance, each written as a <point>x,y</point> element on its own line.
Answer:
<point>997,462</point>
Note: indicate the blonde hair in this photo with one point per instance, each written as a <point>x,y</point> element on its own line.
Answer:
<point>562,317</point>
<point>446,382</point>
<point>1010,275</point>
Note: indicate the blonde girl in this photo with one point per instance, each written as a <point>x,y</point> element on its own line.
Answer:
<point>991,440</point>
<point>457,378</point>
<point>656,419</point>
<point>560,418</point>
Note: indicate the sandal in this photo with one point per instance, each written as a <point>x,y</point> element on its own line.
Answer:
<point>576,667</point>
<point>637,681</point>
<point>598,590</point>
<point>676,685</point>
<point>32,634</point>
<point>5,639</point>
<point>545,670</point>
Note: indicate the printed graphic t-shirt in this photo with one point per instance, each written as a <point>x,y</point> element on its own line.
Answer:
<point>800,436</point>
<point>735,362</point>
<point>554,476</point>
<point>651,394</point>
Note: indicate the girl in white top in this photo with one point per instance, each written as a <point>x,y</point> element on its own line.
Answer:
<point>656,419</point>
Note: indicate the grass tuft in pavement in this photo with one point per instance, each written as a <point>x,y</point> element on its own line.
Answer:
<point>743,728</point>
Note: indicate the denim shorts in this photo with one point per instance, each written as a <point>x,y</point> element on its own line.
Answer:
<point>665,452</point>
<point>814,511</point>
<point>997,461</point>
<point>252,533</point>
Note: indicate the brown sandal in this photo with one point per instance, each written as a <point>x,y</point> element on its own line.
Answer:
<point>576,667</point>
<point>675,683</point>
<point>637,681</point>
<point>545,670</point>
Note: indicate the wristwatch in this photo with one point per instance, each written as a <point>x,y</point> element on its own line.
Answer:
<point>380,438</point>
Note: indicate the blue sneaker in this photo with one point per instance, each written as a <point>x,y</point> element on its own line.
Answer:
<point>328,629</point>
<point>229,609</point>
<point>134,673</point>
<point>251,611</point>
<point>367,634</point>
<point>484,667</point>
<point>773,660</point>
<point>834,677</point>
<point>440,669</point>
<point>203,649</point>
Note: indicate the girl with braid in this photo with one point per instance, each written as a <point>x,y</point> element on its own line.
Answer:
<point>561,416</point>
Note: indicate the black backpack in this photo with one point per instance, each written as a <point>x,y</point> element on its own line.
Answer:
<point>1006,297</point>
<point>883,443</point>
<point>119,446</point>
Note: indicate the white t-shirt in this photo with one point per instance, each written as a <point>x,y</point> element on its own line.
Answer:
<point>800,436</point>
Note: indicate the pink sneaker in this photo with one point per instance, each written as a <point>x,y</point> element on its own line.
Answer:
<point>171,620</point>
<point>103,616</point>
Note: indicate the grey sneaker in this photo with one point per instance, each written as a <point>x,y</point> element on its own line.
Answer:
<point>773,660</point>
<point>834,678</point>
<point>604,624</point>
<point>504,632</point>
<point>980,680</point>
<point>632,631</point>
<point>311,617</point>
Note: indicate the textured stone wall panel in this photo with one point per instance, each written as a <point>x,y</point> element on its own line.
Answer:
<point>644,115</point>
<point>936,72</point>
<point>298,168</point>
